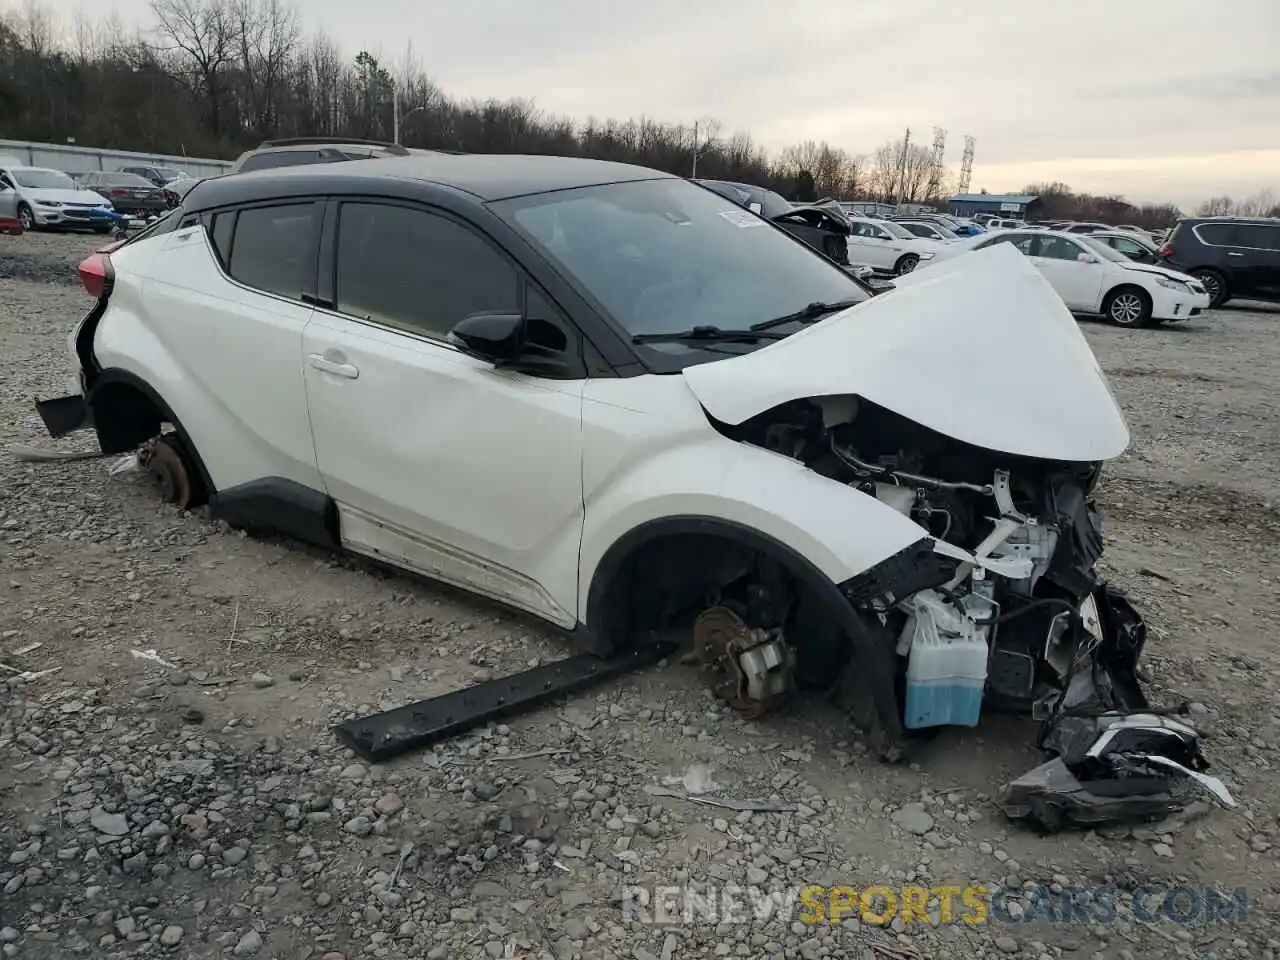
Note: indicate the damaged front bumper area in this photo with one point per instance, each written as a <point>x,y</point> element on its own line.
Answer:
<point>1019,622</point>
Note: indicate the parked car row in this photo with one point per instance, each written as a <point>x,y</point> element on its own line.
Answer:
<point>103,201</point>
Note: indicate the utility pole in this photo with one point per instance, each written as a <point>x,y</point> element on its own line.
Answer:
<point>395,112</point>
<point>902,176</point>
<point>966,166</point>
<point>694,174</point>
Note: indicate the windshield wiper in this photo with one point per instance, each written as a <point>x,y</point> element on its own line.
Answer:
<point>809,314</point>
<point>707,333</point>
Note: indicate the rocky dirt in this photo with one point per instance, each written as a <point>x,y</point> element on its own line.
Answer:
<point>170,785</point>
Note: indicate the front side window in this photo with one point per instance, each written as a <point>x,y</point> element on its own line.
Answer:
<point>273,248</point>
<point>868,230</point>
<point>1058,248</point>
<point>418,271</point>
<point>1021,241</point>
<point>661,256</point>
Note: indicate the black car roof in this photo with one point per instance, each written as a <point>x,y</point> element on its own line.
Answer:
<point>485,176</point>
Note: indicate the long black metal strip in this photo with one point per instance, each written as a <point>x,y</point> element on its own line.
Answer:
<point>381,736</point>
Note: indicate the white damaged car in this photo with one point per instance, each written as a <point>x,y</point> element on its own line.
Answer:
<point>616,401</point>
<point>1094,278</point>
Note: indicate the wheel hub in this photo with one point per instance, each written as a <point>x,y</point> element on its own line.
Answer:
<point>758,663</point>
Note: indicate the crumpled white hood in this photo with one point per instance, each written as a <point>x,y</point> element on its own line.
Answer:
<point>981,349</point>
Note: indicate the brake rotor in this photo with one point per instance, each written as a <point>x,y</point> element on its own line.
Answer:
<point>163,460</point>
<point>720,636</point>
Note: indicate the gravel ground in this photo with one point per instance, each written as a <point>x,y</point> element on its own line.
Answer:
<point>197,805</point>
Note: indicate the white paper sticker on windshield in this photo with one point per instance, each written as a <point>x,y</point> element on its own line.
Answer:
<point>742,218</point>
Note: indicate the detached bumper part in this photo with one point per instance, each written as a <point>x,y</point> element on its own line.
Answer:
<point>1112,769</point>
<point>64,415</point>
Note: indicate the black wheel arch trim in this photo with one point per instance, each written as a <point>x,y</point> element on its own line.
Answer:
<point>877,661</point>
<point>279,505</point>
<point>113,376</point>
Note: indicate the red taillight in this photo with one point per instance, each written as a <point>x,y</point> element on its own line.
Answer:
<point>96,274</point>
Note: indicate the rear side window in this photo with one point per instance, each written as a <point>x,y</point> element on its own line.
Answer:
<point>1257,236</point>
<point>272,248</point>
<point>284,158</point>
<point>1216,234</point>
<point>418,271</point>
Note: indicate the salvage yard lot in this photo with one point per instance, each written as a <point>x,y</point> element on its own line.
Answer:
<point>200,807</point>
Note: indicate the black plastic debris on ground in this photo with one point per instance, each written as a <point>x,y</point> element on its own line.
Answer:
<point>381,736</point>
<point>1112,769</point>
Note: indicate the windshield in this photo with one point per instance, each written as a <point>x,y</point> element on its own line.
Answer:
<point>169,173</point>
<point>39,179</point>
<point>897,230</point>
<point>1102,249</point>
<point>660,256</point>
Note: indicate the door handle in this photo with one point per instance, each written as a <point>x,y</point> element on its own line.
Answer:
<point>1232,253</point>
<point>336,367</point>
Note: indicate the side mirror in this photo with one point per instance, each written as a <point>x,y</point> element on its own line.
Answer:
<point>1087,258</point>
<point>496,337</point>
<point>754,207</point>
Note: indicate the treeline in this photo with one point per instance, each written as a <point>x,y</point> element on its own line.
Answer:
<point>1060,202</point>
<point>215,77</point>
<point>1260,204</point>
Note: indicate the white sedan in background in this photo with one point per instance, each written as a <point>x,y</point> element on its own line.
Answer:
<point>1093,278</point>
<point>888,247</point>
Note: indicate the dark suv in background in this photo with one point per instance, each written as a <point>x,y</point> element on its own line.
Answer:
<point>299,151</point>
<point>1232,256</point>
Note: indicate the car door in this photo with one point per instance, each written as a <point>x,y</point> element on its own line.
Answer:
<point>1078,282</point>
<point>1260,264</point>
<point>224,293</point>
<point>439,461</point>
<point>8,198</point>
<point>870,245</point>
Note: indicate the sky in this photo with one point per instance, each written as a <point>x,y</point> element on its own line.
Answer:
<point>1157,100</point>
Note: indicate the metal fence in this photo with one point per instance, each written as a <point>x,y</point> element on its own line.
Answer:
<point>70,158</point>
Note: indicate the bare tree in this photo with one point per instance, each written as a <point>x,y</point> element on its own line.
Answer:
<point>265,34</point>
<point>1216,207</point>
<point>199,35</point>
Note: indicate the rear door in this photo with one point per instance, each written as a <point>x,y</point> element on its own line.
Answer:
<point>225,295</point>
<point>440,461</point>
<point>1259,246</point>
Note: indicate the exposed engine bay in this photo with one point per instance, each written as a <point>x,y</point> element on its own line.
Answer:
<point>1015,618</point>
